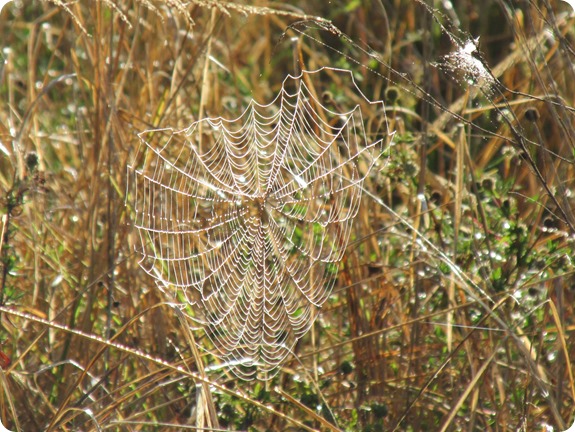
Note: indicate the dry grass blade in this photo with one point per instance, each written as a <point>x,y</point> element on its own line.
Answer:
<point>6,395</point>
<point>562,338</point>
<point>310,412</point>
<point>470,387</point>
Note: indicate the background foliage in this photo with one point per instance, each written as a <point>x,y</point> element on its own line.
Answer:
<point>454,304</point>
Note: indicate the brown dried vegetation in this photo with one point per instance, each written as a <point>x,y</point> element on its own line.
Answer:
<point>453,308</point>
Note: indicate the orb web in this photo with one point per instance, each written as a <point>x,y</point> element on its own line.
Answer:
<point>244,222</point>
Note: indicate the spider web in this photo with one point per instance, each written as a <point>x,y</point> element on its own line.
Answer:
<point>247,220</point>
